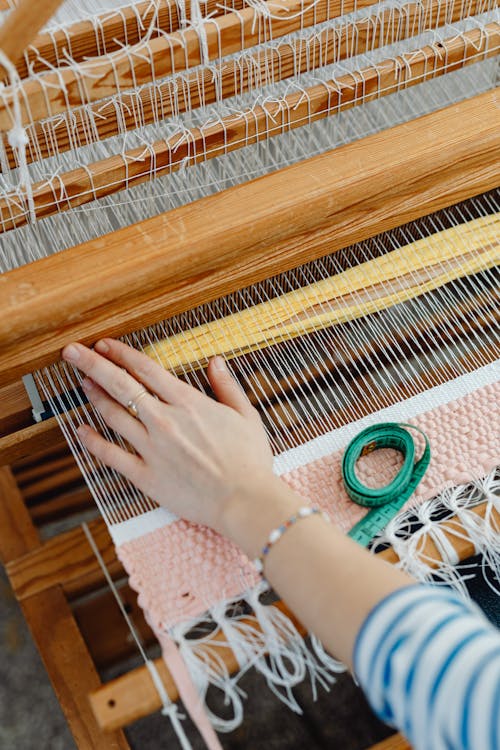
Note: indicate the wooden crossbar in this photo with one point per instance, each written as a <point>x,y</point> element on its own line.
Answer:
<point>66,560</point>
<point>29,440</point>
<point>110,32</point>
<point>261,122</point>
<point>396,742</point>
<point>186,258</point>
<point>145,106</point>
<point>156,58</point>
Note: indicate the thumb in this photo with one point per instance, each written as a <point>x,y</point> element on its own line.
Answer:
<point>227,390</point>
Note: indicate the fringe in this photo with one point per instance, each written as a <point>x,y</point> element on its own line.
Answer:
<point>451,512</point>
<point>263,637</point>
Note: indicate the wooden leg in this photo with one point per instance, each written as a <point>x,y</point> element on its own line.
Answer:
<point>70,667</point>
<point>54,629</point>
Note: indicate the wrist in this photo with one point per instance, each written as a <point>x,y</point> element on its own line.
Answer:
<point>251,512</point>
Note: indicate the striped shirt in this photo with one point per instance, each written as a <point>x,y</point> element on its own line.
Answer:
<point>429,664</point>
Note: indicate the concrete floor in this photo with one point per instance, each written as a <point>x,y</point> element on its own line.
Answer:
<point>30,717</point>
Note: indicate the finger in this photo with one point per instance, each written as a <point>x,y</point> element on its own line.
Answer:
<point>147,371</point>
<point>227,390</point>
<point>113,379</point>
<point>115,416</point>
<point>130,466</point>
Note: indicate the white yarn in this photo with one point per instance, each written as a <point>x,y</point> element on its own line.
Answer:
<point>18,137</point>
<point>459,520</point>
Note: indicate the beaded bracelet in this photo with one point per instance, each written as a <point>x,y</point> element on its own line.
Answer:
<point>278,532</point>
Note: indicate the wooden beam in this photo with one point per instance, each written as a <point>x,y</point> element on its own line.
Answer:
<point>109,32</point>
<point>47,465</point>
<point>30,440</point>
<point>157,58</point>
<point>167,99</point>
<point>63,506</point>
<point>134,695</point>
<point>187,258</point>
<point>57,481</point>
<point>395,742</point>
<point>66,560</point>
<point>138,165</point>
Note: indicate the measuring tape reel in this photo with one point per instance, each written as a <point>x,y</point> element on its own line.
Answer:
<point>386,501</point>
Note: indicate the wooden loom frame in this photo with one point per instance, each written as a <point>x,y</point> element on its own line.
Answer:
<point>45,575</point>
<point>408,171</point>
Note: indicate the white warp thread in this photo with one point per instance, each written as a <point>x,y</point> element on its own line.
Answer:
<point>18,137</point>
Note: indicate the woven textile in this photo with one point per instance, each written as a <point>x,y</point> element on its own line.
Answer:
<point>182,570</point>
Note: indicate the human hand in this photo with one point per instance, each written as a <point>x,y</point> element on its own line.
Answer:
<point>194,455</point>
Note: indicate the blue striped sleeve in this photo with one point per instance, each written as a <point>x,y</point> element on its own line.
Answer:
<point>429,664</point>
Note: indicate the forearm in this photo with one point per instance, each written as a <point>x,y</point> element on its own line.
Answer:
<point>329,581</point>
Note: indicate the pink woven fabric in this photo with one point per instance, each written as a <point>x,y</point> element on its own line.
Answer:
<point>183,569</point>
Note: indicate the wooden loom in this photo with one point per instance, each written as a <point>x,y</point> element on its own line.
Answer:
<point>186,259</point>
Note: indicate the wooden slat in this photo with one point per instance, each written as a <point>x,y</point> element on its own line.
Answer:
<point>135,166</point>
<point>48,453</point>
<point>41,469</point>
<point>30,440</point>
<point>187,258</point>
<point>57,481</point>
<point>203,88</point>
<point>133,695</point>
<point>63,506</point>
<point>157,58</point>
<point>396,742</point>
<point>109,32</point>
<point>23,24</point>
<point>66,560</point>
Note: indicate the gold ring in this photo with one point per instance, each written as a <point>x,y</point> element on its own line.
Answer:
<point>133,403</point>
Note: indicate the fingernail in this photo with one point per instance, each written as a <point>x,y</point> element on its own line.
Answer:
<point>87,385</point>
<point>102,347</point>
<point>219,364</point>
<point>71,353</point>
<point>82,430</point>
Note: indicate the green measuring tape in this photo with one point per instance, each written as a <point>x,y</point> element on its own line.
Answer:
<point>383,501</point>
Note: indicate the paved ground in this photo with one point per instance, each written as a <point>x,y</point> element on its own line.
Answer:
<point>30,717</point>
